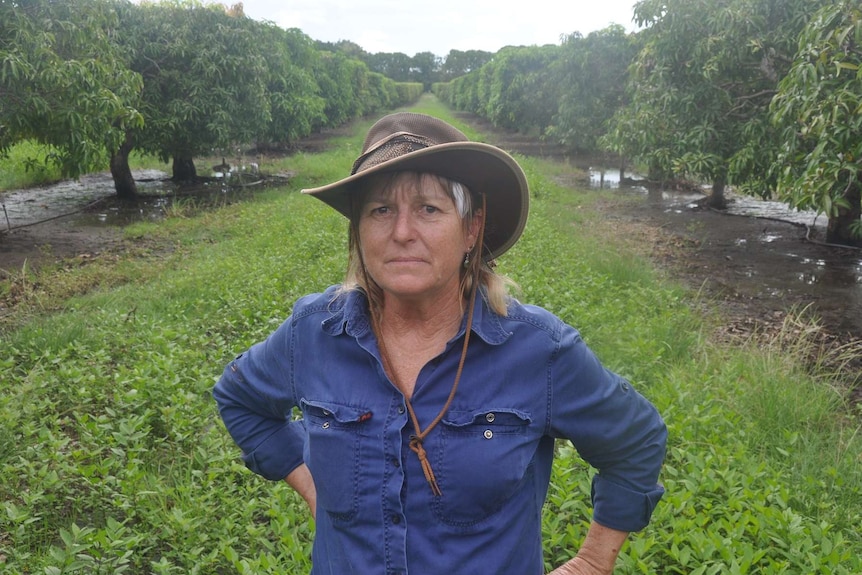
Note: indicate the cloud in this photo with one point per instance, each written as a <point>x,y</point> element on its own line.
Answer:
<point>396,26</point>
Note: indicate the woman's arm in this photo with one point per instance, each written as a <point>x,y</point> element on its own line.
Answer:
<point>255,400</point>
<point>597,554</point>
<point>614,428</point>
<point>302,482</point>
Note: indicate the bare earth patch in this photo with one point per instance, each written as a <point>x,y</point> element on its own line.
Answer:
<point>54,242</point>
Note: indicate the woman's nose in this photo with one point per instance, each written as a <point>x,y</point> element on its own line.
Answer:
<point>404,225</point>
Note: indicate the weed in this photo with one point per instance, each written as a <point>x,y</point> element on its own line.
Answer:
<point>181,208</point>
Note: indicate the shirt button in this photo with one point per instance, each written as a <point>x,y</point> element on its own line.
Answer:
<point>396,519</point>
<point>401,409</point>
<point>396,463</point>
<point>490,418</point>
<point>325,425</point>
<point>488,434</point>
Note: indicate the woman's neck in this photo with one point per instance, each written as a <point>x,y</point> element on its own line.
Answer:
<point>426,319</point>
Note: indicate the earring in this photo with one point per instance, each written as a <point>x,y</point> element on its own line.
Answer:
<point>467,257</point>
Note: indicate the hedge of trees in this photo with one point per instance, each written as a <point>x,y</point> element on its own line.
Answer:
<point>565,92</point>
<point>96,79</point>
<point>765,96</point>
<point>424,67</point>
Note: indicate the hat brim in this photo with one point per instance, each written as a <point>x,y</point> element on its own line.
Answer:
<point>481,167</point>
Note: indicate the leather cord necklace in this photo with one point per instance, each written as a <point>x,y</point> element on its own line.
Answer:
<point>420,434</point>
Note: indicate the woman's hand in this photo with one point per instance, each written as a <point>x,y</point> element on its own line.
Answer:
<point>579,567</point>
<point>598,553</point>
<point>302,482</point>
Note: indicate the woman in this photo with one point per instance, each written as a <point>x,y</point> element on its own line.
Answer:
<point>430,399</point>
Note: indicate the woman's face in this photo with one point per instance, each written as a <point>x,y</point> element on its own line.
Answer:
<point>412,238</point>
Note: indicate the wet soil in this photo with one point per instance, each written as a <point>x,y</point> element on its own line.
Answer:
<point>31,248</point>
<point>83,219</point>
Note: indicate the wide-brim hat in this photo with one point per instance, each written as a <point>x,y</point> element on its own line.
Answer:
<point>412,142</point>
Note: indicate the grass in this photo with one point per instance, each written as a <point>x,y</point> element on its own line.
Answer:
<point>25,165</point>
<point>113,459</point>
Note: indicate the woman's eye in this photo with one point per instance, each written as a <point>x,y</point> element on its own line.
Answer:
<point>380,210</point>
<point>429,209</point>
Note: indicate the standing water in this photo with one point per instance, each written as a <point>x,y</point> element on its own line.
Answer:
<point>79,218</point>
<point>756,250</point>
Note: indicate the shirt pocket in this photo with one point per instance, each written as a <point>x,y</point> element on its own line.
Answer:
<point>480,460</point>
<point>333,454</point>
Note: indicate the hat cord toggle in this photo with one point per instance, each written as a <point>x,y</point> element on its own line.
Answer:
<point>419,450</point>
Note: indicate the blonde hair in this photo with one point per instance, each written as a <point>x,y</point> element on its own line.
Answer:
<point>494,286</point>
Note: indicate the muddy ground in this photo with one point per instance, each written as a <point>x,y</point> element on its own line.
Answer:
<point>31,247</point>
<point>756,269</point>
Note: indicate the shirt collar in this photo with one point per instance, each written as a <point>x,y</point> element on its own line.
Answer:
<point>349,314</point>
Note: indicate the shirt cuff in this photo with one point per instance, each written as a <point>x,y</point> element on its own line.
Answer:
<point>621,508</point>
<point>278,454</point>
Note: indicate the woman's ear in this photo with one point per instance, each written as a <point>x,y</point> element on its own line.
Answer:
<point>475,225</point>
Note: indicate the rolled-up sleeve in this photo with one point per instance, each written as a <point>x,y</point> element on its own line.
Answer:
<point>255,400</point>
<point>614,428</point>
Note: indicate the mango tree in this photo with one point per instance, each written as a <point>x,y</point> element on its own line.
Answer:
<point>394,65</point>
<point>701,87</point>
<point>424,68</point>
<point>408,92</point>
<point>819,107</point>
<point>592,72</point>
<point>63,82</point>
<point>295,102</point>
<point>459,63</point>
<point>462,93</point>
<point>333,72</point>
<point>516,90</point>
<point>204,83</point>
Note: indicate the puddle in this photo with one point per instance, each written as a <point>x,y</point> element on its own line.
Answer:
<point>760,252</point>
<point>67,198</point>
<point>604,178</point>
<point>80,219</point>
<point>746,206</point>
<point>91,201</point>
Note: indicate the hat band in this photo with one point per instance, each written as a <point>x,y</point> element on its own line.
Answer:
<point>395,147</point>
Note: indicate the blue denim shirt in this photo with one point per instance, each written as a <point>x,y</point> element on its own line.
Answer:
<point>528,380</point>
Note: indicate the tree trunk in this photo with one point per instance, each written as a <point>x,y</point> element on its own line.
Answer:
<point>124,183</point>
<point>184,169</point>
<point>839,229</point>
<point>716,198</point>
<point>622,168</point>
<point>657,174</point>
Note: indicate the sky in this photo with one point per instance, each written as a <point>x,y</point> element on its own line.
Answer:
<point>441,25</point>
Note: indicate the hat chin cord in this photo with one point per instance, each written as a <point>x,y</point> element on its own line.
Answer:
<point>420,434</point>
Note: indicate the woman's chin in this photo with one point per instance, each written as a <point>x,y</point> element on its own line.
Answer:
<point>414,289</point>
